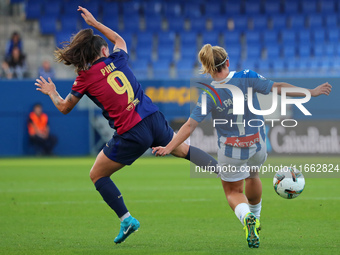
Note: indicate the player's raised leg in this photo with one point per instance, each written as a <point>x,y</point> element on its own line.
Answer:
<point>100,174</point>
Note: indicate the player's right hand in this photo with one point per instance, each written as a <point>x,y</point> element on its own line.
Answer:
<point>45,87</point>
<point>87,16</point>
<point>323,89</point>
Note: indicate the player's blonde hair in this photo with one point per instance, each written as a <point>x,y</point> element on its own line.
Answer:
<point>212,58</point>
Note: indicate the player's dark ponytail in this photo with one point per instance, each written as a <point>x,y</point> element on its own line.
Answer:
<point>82,50</point>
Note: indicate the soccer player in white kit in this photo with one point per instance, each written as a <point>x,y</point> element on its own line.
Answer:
<point>241,147</point>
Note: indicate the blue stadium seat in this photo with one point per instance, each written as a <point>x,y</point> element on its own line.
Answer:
<point>272,7</point>
<point>161,69</point>
<point>288,51</point>
<point>165,53</point>
<point>128,38</point>
<point>52,9</point>
<point>166,38</point>
<point>318,50</point>
<point>188,38</point>
<point>288,37</point>
<point>131,8</point>
<point>61,37</point>
<point>331,21</point>
<point>253,37</point>
<point>212,9</point>
<point>145,38</point>
<point>69,23</point>
<point>270,37</point>
<point>219,23</point>
<point>263,66</point>
<point>304,51</point>
<point>232,8</point>
<point>131,23</point>
<point>253,52</point>
<point>144,52</point>
<point>273,52</point>
<point>211,37</point>
<point>233,65</point>
<point>188,52</point>
<point>252,7</point>
<point>303,64</point>
<point>185,69</point>
<point>151,8</point>
<point>153,23</point>
<point>260,22</point>
<point>297,22</point>
<point>279,22</point>
<point>291,65</point>
<point>33,9</point>
<point>309,6</point>
<point>315,22</point>
<point>48,25</point>
<point>110,9</point>
<point>250,64</point>
<point>232,37</point>
<point>304,35</point>
<point>192,10</point>
<point>176,24</point>
<point>318,36</point>
<point>197,24</point>
<point>234,52</point>
<point>327,6</point>
<point>139,63</point>
<point>291,7</point>
<point>277,65</point>
<point>329,50</point>
<point>70,6</point>
<point>172,9</point>
<point>333,35</point>
<point>92,6</point>
<point>240,23</point>
<point>111,21</point>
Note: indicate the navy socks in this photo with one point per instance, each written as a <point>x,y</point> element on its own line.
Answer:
<point>201,158</point>
<point>111,195</point>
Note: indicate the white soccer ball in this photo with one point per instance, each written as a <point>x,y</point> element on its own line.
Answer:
<point>289,182</point>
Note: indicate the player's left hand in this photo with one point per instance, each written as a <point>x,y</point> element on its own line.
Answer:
<point>46,87</point>
<point>323,89</point>
<point>87,16</point>
<point>160,151</point>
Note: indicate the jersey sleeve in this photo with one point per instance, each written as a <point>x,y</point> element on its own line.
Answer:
<point>79,87</point>
<point>120,57</point>
<point>259,83</point>
<point>196,114</point>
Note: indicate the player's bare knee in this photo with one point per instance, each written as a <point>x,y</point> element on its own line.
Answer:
<point>93,176</point>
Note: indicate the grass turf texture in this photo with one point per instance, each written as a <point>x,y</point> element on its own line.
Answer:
<point>50,206</point>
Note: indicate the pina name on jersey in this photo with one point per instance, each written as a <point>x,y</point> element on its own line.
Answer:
<point>108,69</point>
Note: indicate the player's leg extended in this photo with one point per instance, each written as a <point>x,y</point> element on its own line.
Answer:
<point>239,204</point>
<point>100,174</point>
<point>196,156</point>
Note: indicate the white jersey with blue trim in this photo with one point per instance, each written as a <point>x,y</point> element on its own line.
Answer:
<point>243,80</point>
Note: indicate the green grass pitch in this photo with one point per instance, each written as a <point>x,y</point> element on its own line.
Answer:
<point>50,206</point>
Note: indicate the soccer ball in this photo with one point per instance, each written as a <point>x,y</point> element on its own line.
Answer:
<point>288,182</point>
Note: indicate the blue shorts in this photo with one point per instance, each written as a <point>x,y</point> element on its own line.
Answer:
<point>152,131</point>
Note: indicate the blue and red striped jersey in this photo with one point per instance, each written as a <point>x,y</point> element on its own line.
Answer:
<point>112,86</point>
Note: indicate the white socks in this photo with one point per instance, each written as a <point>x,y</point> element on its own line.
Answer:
<point>126,215</point>
<point>241,210</point>
<point>256,209</point>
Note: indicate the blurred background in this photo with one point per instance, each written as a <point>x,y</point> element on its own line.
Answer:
<point>294,41</point>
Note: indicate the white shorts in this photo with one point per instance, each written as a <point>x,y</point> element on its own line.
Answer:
<point>233,170</point>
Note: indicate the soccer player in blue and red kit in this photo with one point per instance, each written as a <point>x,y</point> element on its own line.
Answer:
<point>109,82</point>
<point>241,148</point>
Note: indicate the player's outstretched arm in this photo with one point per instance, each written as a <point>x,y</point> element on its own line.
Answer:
<point>114,37</point>
<point>48,88</point>
<point>183,134</point>
<point>323,89</point>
